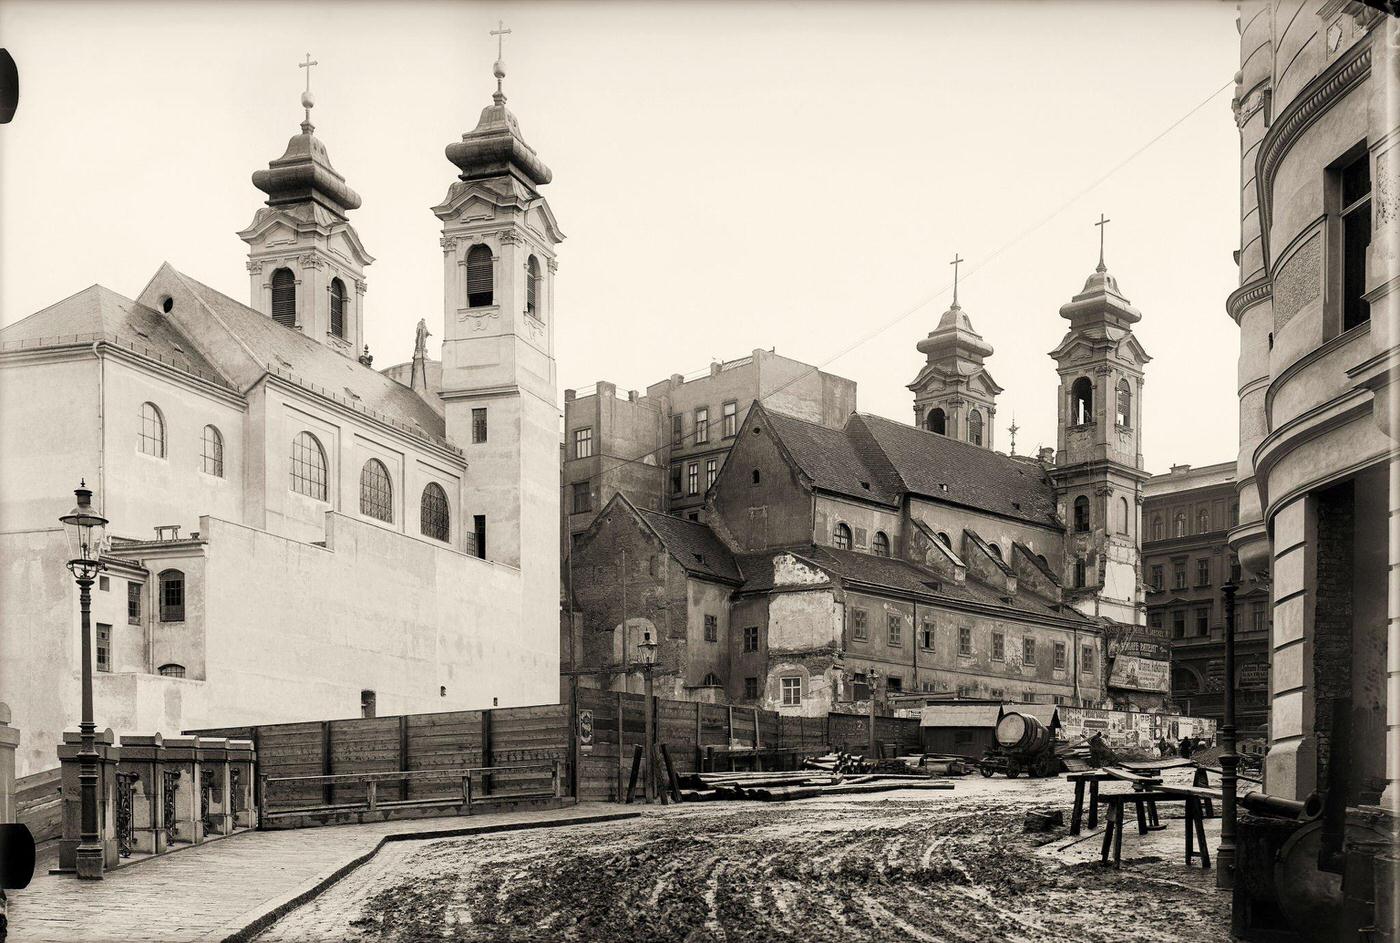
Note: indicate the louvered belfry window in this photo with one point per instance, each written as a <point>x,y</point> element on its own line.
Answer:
<point>337,307</point>
<point>479,277</point>
<point>284,297</point>
<point>532,284</point>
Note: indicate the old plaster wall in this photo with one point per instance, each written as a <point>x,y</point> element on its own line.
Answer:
<point>776,510</point>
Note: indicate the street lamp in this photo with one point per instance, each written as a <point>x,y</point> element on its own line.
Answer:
<point>1229,759</point>
<point>85,529</point>
<point>646,648</point>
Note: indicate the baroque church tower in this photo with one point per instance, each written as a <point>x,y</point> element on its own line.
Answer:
<point>1098,472</point>
<point>306,264</point>
<point>498,370</point>
<point>954,395</point>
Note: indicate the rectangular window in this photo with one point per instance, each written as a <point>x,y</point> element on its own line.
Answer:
<point>1179,575</point>
<point>711,472</point>
<point>1159,580</point>
<point>1203,571</point>
<point>750,689</point>
<point>964,640</point>
<point>692,478</point>
<point>1203,621</point>
<point>1028,651</point>
<point>792,692</point>
<point>479,528</point>
<point>677,430</point>
<point>926,638</point>
<point>711,629</point>
<point>172,596</point>
<point>104,583</point>
<point>894,684</point>
<point>859,630</point>
<point>583,497</point>
<point>104,647</point>
<point>1060,656</point>
<point>1179,624</point>
<point>676,486</point>
<point>1155,620</point>
<point>1086,660</point>
<point>750,638</point>
<point>133,603</point>
<point>1257,617</point>
<point>702,425</point>
<point>1355,210</point>
<point>896,629</point>
<point>998,647</point>
<point>730,427</point>
<point>479,424</point>
<point>583,443</point>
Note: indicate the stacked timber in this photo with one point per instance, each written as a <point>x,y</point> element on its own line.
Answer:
<point>778,787</point>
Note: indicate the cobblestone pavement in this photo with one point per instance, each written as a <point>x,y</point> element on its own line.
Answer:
<point>911,866</point>
<point>210,891</point>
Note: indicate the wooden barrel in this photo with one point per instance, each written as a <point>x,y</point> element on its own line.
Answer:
<point>1021,733</point>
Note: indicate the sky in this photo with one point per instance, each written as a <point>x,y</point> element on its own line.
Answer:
<point>729,175</point>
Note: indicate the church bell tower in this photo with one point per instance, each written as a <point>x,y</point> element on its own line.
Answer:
<point>498,370</point>
<point>1098,472</point>
<point>306,264</point>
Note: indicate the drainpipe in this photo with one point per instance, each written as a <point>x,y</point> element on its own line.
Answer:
<point>101,428</point>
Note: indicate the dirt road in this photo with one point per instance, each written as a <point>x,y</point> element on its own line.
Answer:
<point>944,866</point>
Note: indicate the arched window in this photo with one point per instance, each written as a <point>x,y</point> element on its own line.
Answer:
<point>172,596</point>
<point>1203,522</point>
<point>376,492</point>
<point>151,439</point>
<point>996,551</point>
<point>1080,573</point>
<point>480,276</point>
<point>1185,681</point>
<point>213,452</point>
<point>1125,404</point>
<point>1179,524</point>
<point>947,541</point>
<point>937,422</point>
<point>881,544</point>
<point>308,466</point>
<point>756,476</point>
<point>532,286</point>
<point>842,537</point>
<point>284,297</point>
<point>711,680</point>
<point>337,307</point>
<point>434,515</point>
<point>974,427</point>
<point>1081,402</point>
<point>1122,515</point>
<point>1081,515</point>
<point>1157,527</point>
<point>172,670</point>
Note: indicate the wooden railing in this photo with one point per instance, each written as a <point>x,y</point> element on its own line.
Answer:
<point>471,778</point>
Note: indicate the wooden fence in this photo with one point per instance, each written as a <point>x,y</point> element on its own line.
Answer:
<point>593,737</point>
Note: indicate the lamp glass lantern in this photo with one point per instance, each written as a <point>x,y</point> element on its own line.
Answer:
<point>647,648</point>
<point>86,530</point>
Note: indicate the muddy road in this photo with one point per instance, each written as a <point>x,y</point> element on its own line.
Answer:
<point>949,866</point>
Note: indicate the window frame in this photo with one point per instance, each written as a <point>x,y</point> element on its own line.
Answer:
<point>965,641</point>
<point>337,293</point>
<point>880,544</point>
<point>998,646</point>
<point>432,515</point>
<point>711,627</point>
<point>1124,404</point>
<point>583,442</point>
<point>1059,656</point>
<point>711,472</point>
<point>1029,654</point>
<point>134,592</point>
<point>928,638</point>
<point>1086,658</point>
<point>376,491</point>
<point>1082,514</point>
<point>750,638</point>
<point>860,625</point>
<point>480,425</point>
<point>791,692</point>
<point>894,629</point>
<point>1081,402</point>
<point>702,425</point>
<point>580,497</point>
<point>751,688</point>
<point>212,457</point>
<point>171,669</point>
<point>692,479</point>
<point>974,427</point>
<point>102,647</point>
<point>170,583</point>
<point>284,309</point>
<point>152,432</point>
<point>532,287</point>
<point>841,536</point>
<point>303,470</point>
<point>729,419</point>
<point>480,280</point>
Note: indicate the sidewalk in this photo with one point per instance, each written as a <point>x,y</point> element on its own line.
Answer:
<point>215,891</point>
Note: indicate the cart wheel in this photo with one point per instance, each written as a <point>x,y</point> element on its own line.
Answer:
<point>1013,769</point>
<point>985,770</point>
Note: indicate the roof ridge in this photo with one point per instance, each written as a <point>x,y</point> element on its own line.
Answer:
<point>64,300</point>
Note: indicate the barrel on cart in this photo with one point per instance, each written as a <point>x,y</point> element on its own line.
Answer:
<point>1024,744</point>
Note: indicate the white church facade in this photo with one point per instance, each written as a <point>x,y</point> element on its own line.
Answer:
<point>293,534</point>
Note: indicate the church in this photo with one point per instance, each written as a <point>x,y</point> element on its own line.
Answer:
<point>837,562</point>
<point>293,535</point>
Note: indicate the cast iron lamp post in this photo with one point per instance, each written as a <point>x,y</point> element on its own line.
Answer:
<point>85,529</point>
<point>646,648</point>
<point>1229,759</point>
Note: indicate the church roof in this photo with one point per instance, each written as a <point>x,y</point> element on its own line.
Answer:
<point>98,313</point>
<point>829,458</point>
<point>944,469</point>
<point>253,346</point>
<point>693,545</point>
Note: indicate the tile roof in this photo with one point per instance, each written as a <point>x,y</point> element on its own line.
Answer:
<point>925,462</point>
<point>98,313</point>
<point>694,545</point>
<point>830,459</point>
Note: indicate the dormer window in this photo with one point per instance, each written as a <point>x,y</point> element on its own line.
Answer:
<point>480,277</point>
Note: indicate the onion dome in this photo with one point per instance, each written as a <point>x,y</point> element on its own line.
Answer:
<point>1100,299</point>
<point>304,173</point>
<point>955,336</point>
<point>495,148</point>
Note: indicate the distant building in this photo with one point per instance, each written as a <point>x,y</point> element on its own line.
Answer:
<point>1187,517</point>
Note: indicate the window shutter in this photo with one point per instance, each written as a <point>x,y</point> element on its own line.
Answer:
<point>337,307</point>
<point>284,297</point>
<point>479,277</point>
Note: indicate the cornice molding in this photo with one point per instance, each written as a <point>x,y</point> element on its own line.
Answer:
<point>1308,359</point>
<point>1247,296</point>
<point>1343,75</point>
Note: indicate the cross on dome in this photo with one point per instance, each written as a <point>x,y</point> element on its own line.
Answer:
<point>500,32</point>
<point>308,101</point>
<point>1101,224</point>
<point>955,263</point>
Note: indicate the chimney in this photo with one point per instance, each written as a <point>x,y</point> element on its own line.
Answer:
<point>606,390</point>
<point>632,396</point>
<point>1046,455</point>
<point>1180,469</point>
<point>715,368</point>
<point>677,380</point>
<point>570,395</point>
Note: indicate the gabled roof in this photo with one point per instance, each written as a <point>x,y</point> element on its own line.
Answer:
<point>827,457</point>
<point>693,545</point>
<point>944,469</point>
<point>98,313</point>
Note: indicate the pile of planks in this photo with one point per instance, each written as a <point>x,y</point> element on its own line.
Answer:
<point>799,784</point>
